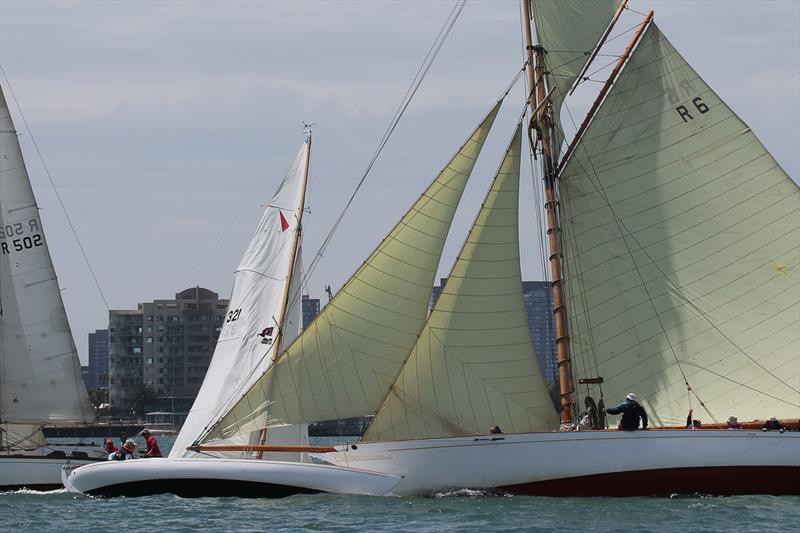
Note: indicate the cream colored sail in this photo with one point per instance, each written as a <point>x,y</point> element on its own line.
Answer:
<point>40,375</point>
<point>681,234</point>
<point>473,365</point>
<point>343,364</point>
<point>569,30</point>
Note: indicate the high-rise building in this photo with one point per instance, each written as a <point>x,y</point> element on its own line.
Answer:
<point>98,360</point>
<point>539,308</point>
<point>159,352</point>
<point>310,309</point>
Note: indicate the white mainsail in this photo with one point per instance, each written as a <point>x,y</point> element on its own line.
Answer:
<point>681,234</point>
<point>473,365</point>
<point>344,362</point>
<point>569,30</point>
<point>264,308</point>
<point>40,375</point>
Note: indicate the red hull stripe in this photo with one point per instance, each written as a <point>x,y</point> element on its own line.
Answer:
<point>714,480</point>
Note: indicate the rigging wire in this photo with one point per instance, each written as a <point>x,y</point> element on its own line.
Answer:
<point>427,62</point>
<point>408,97</point>
<point>240,211</point>
<point>55,189</point>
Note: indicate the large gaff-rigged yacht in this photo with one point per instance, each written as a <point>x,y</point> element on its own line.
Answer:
<point>40,375</point>
<point>673,257</point>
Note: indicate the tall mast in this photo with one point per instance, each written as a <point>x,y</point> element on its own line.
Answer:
<point>262,437</point>
<point>543,124</point>
<point>295,244</point>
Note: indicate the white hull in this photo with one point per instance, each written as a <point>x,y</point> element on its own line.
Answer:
<point>41,469</point>
<point>194,477</point>
<point>612,463</point>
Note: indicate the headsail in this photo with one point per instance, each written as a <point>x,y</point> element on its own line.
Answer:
<point>40,375</point>
<point>473,365</point>
<point>681,235</point>
<point>569,31</point>
<point>343,364</point>
<point>262,286</point>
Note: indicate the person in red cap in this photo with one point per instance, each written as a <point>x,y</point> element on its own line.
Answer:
<point>152,445</point>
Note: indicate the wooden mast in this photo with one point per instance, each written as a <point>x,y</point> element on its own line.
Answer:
<point>262,437</point>
<point>546,133</point>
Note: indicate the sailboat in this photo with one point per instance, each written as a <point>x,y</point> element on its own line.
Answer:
<point>40,375</point>
<point>673,257</point>
<point>263,315</point>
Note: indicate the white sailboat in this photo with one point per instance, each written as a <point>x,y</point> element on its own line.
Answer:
<point>40,375</point>
<point>264,314</point>
<point>673,249</point>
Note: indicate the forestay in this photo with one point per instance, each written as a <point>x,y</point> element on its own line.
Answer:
<point>681,234</point>
<point>262,287</point>
<point>473,365</point>
<point>569,30</point>
<point>40,375</point>
<point>343,364</point>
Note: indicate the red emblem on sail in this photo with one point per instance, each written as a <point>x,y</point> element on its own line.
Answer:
<point>284,222</point>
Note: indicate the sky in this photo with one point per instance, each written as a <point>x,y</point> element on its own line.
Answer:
<point>167,125</point>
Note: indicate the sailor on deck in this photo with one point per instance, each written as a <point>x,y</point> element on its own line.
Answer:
<point>631,413</point>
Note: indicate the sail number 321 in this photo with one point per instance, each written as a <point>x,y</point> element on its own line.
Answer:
<point>233,316</point>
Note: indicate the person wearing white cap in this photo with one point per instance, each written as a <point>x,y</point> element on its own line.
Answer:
<point>631,412</point>
<point>733,423</point>
<point>125,452</point>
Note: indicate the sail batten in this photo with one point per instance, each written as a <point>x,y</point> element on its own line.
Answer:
<point>681,234</point>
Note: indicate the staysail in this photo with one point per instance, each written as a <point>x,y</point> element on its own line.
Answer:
<point>569,30</point>
<point>264,308</point>
<point>681,236</point>
<point>40,375</point>
<point>473,365</point>
<point>343,364</point>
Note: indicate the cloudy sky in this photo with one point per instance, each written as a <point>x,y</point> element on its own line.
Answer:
<point>164,124</point>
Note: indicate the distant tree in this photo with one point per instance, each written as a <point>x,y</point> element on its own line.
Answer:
<point>143,398</point>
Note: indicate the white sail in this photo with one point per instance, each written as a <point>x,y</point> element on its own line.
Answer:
<point>681,234</point>
<point>569,30</point>
<point>40,375</point>
<point>261,289</point>
<point>473,365</point>
<point>343,364</point>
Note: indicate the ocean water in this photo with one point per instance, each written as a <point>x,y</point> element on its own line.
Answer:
<point>465,510</point>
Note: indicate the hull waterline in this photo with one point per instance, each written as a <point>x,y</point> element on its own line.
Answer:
<point>193,477</point>
<point>594,463</point>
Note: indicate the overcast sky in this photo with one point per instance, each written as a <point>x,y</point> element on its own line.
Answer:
<point>164,123</point>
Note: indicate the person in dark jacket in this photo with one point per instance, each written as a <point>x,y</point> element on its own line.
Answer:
<point>773,424</point>
<point>631,413</point>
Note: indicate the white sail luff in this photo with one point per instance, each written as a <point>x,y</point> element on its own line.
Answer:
<point>262,286</point>
<point>40,375</point>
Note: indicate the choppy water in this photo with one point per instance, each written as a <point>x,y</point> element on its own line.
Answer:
<point>457,511</point>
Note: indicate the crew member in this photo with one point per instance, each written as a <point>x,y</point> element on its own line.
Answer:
<point>733,423</point>
<point>692,423</point>
<point>152,445</point>
<point>773,424</point>
<point>125,453</point>
<point>631,413</point>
